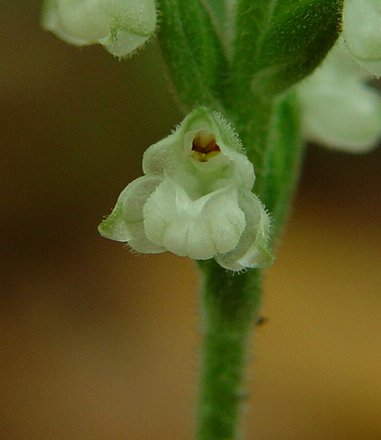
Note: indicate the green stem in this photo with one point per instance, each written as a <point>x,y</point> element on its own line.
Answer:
<point>229,305</point>
<point>230,302</point>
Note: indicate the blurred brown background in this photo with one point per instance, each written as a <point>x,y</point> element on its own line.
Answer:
<point>99,344</point>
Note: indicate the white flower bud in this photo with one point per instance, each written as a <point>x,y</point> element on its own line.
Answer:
<point>362,32</point>
<point>339,109</point>
<point>195,199</point>
<point>121,26</point>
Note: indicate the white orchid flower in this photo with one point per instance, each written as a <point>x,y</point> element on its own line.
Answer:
<point>362,32</point>
<point>121,26</point>
<point>195,199</point>
<point>339,109</point>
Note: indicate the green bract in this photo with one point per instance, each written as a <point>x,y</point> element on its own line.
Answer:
<point>195,199</point>
<point>121,26</point>
<point>339,109</point>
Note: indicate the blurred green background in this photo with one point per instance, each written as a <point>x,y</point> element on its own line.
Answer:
<point>98,343</point>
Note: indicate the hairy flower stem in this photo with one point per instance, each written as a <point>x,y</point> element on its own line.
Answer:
<point>229,305</point>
